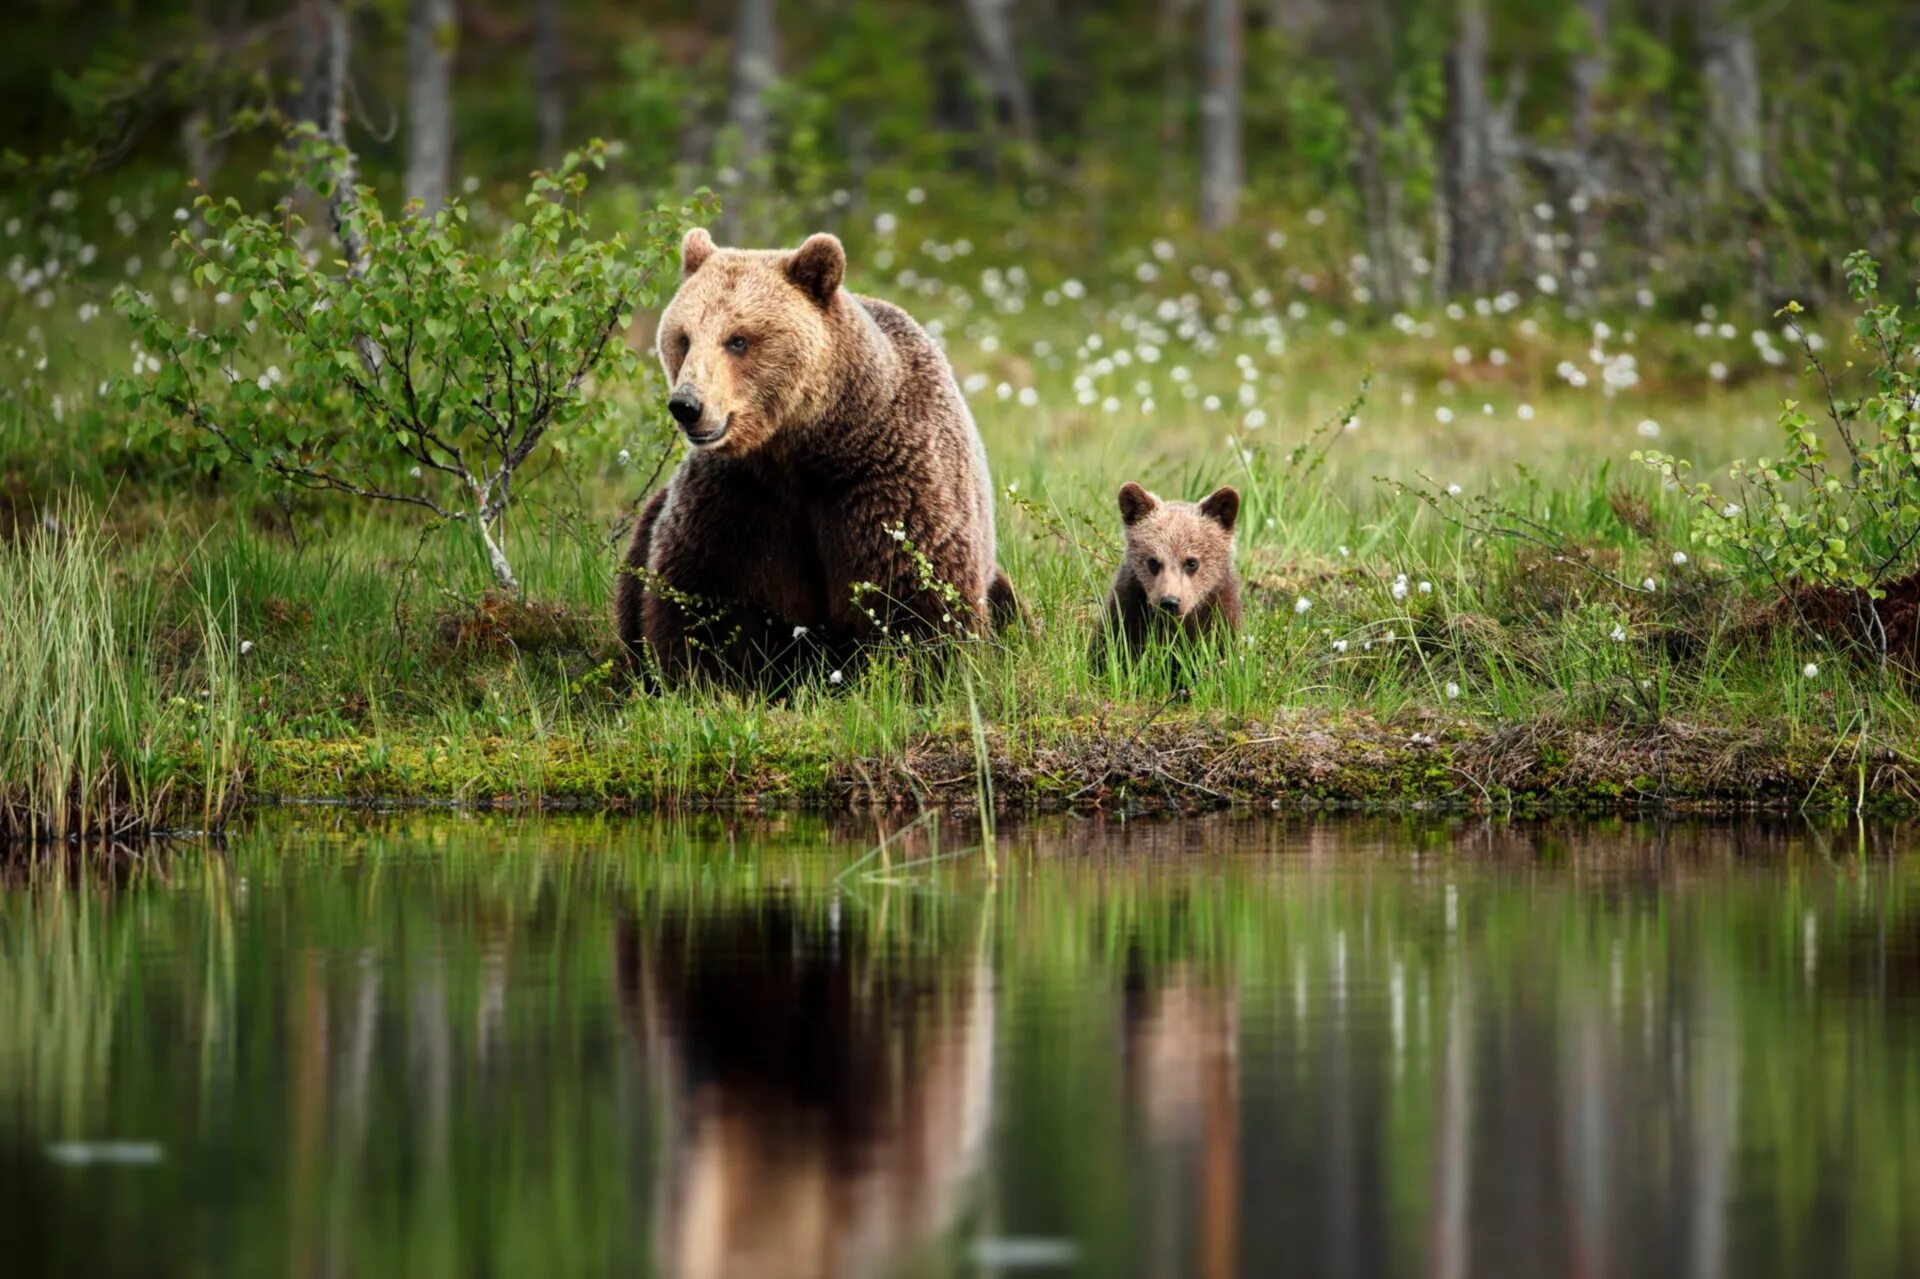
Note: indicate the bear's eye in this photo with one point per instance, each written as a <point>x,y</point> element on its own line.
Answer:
<point>686,343</point>
<point>1193,566</point>
<point>1154,567</point>
<point>737,345</point>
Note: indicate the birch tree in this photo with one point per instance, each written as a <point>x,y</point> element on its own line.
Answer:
<point>1221,161</point>
<point>1732,73</point>
<point>431,32</point>
<point>1471,213</point>
<point>753,74</point>
<point>999,60</point>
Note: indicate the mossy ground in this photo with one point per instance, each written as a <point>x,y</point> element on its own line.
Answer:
<point>1179,763</point>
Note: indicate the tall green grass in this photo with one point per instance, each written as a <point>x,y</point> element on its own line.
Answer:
<point>92,746</point>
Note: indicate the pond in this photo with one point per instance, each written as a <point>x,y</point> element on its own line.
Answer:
<point>447,1045</point>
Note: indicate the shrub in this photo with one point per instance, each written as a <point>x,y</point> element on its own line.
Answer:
<point>423,367</point>
<point>1809,519</point>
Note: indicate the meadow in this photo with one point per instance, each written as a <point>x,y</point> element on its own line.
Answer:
<point>1463,589</point>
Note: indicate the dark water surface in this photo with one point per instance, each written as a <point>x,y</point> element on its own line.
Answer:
<point>429,1046</point>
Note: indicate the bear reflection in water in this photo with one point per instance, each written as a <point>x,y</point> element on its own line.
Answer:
<point>829,1102</point>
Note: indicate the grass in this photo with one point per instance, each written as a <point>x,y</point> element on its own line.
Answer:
<point>91,744</point>
<point>1494,647</point>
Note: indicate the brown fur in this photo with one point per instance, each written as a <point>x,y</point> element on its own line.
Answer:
<point>1176,575</point>
<point>838,421</point>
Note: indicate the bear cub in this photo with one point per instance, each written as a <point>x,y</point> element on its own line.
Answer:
<point>1176,577</point>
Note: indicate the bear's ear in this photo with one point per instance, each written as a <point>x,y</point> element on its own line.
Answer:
<point>1136,503</point>
<point>1222,506</point>
<point>696,248</point>
<point>818,266</point>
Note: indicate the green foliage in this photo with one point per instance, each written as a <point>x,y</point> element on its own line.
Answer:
<point>91,743</point>
<point>423,367</point>
<point>651,104</point>
<point>1809,517</point>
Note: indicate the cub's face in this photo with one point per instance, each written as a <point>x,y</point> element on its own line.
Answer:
<point>1181,553</point>
<point>745,342</point>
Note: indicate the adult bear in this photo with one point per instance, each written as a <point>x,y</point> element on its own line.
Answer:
<point>834,485</point>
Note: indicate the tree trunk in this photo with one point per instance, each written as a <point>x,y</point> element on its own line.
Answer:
<point>1589,70</point>
<point>1471,217</point>
<point>1220,156</point>
<point>331,38</point>
<point>200,143</point>
<point>1296,18</point>
<point>549,80</point>
<point>490,503</point>
<point>1732,72</point>
<point>431,31</point>
<point>1378,207</point>
<point>1000,67</point>
<point>753,72</point>
<point>203,153</point>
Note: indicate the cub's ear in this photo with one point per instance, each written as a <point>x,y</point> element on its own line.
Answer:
<point>1222,506</point>
<point>818,266</point>
<point>1136,503</point>
<point>696,248</point>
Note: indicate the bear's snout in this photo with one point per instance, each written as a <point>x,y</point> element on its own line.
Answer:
<point>690,411</point>
<point>685,406</point>
<point>1170,604</point>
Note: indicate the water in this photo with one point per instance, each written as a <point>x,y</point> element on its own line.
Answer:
<point>445,1046</point>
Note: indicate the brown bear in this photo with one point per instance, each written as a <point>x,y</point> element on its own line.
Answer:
<point>1176,576</point>
<point>834,488</point>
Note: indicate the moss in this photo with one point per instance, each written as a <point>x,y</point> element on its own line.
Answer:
<point>1078,762</point>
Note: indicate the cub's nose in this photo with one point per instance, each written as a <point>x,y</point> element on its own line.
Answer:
<point>1170,603</point>
<point>685,406</point>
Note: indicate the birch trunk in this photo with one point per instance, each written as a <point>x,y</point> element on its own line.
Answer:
<point>1220,148</point>
<point>1471,218</point>
<point>1000,66</point>
<point>326,107</point>
<point>431,30</point>
<point>753,64</point>
<point>1732,72</point>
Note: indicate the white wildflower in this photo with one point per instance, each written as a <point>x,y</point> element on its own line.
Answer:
<point>1453,691</point>
<point>836,677</point>
<point>1302,604</point>
<point>1679,557</point>
<point>1810,670</point>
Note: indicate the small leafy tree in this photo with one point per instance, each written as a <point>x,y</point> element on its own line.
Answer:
<point>1807,518</point>
<point>425,366</point>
